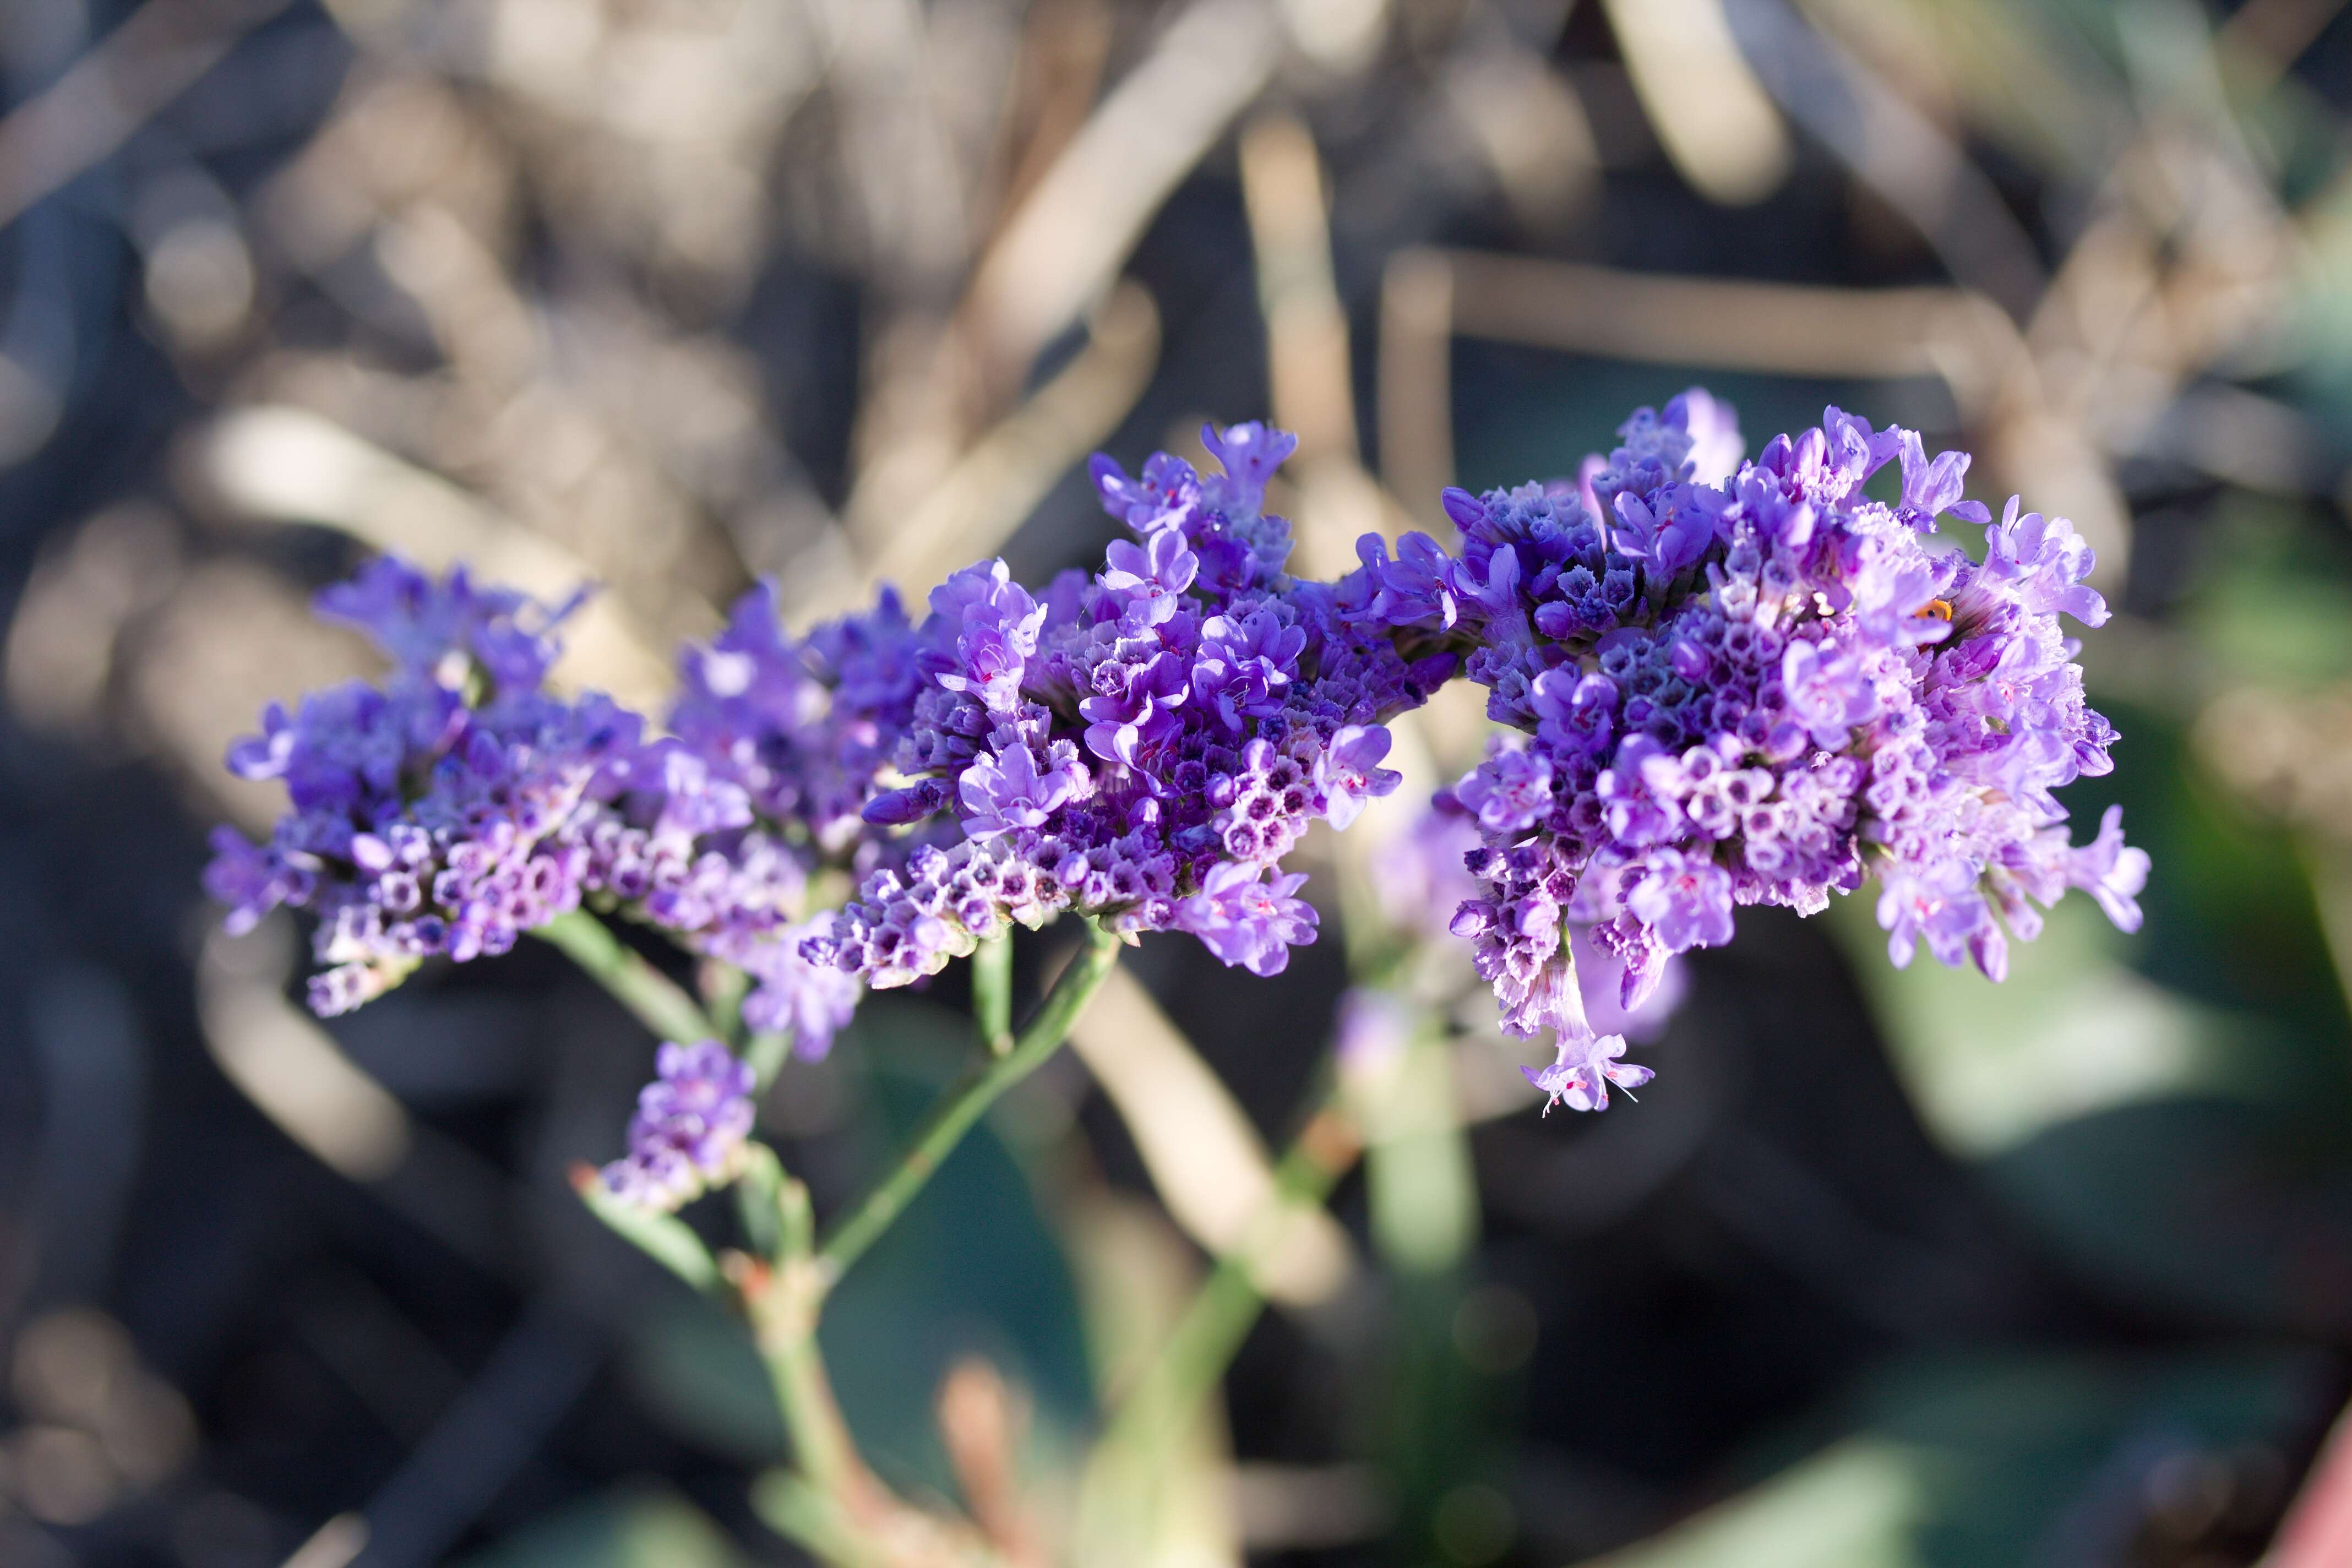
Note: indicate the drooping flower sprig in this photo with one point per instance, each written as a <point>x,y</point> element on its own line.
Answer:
<point>1143,746</point>
<point>1758,686</point>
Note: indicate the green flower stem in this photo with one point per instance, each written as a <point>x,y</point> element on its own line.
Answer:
<point>664,1237</point>
<point>992,993</point>
<point>659,1002</point>
<point>964,1106</point>
<point>1221,1313</point>
<point>764,1052</point>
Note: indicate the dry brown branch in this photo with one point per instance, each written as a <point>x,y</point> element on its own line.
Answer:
<point>1207,1161</point>
<point>986,494</point>
<point>1416,381</point>
<point>982,1421</point>
<point>1066,241</point>
<point>1713,118</point>
<point>286,465</point>
<point>1959,338</point>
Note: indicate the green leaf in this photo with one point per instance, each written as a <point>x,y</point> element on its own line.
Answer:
<point>637,1526</point>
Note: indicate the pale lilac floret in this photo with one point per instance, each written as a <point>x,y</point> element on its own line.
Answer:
<point>1828,694</point>
<point>811,1002</point>
<point>1685,899</point>
<point>1349,775</point>
<point>1007,789</point>
<point>1580,1076</point>
<point>1249,921</point>
<point>2110,871</point>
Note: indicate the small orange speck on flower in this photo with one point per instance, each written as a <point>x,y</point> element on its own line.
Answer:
<point>1939,608</point>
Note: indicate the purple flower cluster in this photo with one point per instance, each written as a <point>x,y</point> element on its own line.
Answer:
<point>688,1129</point>
<point>458,804</point>
<point>1721,683</point>
<point>1142,746</point>
<point>1757,687</point>
<point>429,815</point>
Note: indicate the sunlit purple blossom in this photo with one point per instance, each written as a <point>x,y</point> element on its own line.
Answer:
<point>1757,686</point>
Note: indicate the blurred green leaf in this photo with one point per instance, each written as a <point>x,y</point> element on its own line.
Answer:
<point>1990,1460</point>
<point>693,1365</point>
<point>641,1526</point>
<point>971,1268</point>
<point>1857,1505</point>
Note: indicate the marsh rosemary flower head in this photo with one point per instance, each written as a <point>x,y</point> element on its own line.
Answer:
<point>1143,746</point>
<point>802,726</point>
<point>1754,687</point>
<point>431,813</point>
<point>688,1130</point>
<point>459,804</point>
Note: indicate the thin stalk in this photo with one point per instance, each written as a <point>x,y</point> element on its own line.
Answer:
<point>1228,1303</point>
<point>765,1052</point>
<point>659,1002</point>
<point>665,1238</point>
<point>964,1106</point>
<point>992,993</point>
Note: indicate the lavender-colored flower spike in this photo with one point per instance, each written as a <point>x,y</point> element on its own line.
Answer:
<point>688,1132</point>
<point>1144,747</point>
<point>460,804</point>
<point>1757,686</point>
<point>437,813</point>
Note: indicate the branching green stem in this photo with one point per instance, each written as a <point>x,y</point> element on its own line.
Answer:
<point>992,993</point>
<point>659,1002</point>
<point>964,1106</point>
<point>1225,1307</point>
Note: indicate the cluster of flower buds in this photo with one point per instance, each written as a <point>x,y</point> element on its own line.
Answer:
<point>1758,686</point>
<point>687,1134</point>
<point>1142,746</point>
<point>459,804</point>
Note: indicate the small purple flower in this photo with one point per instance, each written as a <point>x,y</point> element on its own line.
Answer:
<point>1249,454</point>
<point>1930,489</point>
<point>1940,905</point>
<point>1247,920</point>
<point>1348,772</point>
<point>689,1127</point>
<point>1580,1076</point>
<point>2045,562</point>
<point>1510,792</point>
<point>422,622</point>
<point>1156,569</point>
<point>2110,871</point>
<point>812,1001</point>
<point>1133,703</point>
<point>1829,695</point>
<point>1008,790</point>
<point>1684,898</point>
